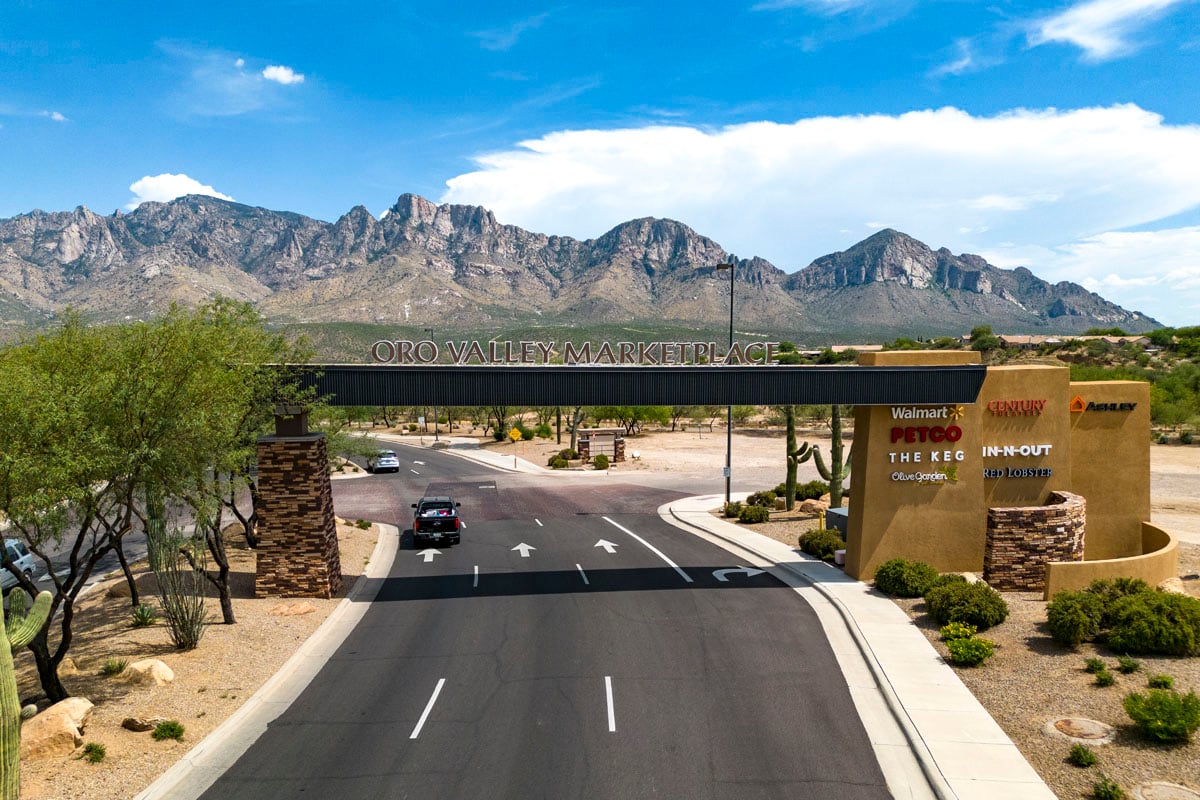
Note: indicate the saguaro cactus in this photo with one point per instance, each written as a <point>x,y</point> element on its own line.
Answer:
<point>838,468</point>
<point>21,633</point>
<point>792,456</point>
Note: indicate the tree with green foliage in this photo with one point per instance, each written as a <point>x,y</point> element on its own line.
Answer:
<point>788,354</point>
<point>983,340</point>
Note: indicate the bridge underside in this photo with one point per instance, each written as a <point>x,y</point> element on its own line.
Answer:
<point>446,385</point>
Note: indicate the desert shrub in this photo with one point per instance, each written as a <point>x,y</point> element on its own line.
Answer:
<point>362,524</point>
<point>945,580</point>
<point>1185,437</point>
<point>813,490</point>
<point>1160,682</point>
<point>766,499</point>
<point>168,729</point>
<point>1093,665</point>
<point>568,453</point>
<point>1156,623</point>
<point>1105,678</point>
<point>412,426</point>
<point>1074,617</point>
<point>1081,756</point>
<point>1127,665</point>
<point>956,630</point>
<point>114,666</point>
<point>93,752</point>
<point>970,652</point>
<point>558,462</point>
<point>733,509</point>
<point>600,461</point>
<point>752,514</point>
<point>499,435</point>
<point>1110,590</point>
<point>542,431</point>
<point>900,577</point>
<point>822,543</point>
<point>1106,789</point>
<point>973,603</point>
<point>1164,715</point>
<point>1162,438</point>
<point>143,615</point>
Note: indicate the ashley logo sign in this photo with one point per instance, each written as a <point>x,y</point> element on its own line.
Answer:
<point>1078,406</point>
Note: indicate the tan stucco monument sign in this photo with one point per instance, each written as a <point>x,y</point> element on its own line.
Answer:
<point>1042,484</point>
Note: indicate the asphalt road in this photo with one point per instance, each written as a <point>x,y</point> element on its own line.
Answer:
<point>573,646</point>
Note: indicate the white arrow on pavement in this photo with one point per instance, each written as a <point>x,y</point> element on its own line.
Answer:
<point>524,548</point>
<point>722,574</point>
<point>609,547</point>
<point>422,463</point>
<point>429,554</point>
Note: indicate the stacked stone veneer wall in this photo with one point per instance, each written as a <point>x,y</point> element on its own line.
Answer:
<point>1020,541</point>
<point>298,548</point>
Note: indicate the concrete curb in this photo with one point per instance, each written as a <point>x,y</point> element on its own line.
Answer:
<point>929,767</point>
<point>200,767</point>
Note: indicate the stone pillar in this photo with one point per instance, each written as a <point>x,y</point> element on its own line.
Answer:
<point>298,548</point>
<point>1020,541</point>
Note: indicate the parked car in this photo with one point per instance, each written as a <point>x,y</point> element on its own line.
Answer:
<point>383,461</point>
<point>436,520</point>
<point>15,549</point>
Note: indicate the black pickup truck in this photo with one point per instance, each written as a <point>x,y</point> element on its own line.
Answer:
<point>435,521</point>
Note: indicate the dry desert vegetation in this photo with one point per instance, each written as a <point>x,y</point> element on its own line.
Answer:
<point>1029,681</point>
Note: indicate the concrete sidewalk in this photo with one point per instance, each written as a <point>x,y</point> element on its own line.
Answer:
<point>910,699</point>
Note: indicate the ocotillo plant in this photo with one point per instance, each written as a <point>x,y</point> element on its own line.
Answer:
<point>21,633</point>
<point>839,462</point>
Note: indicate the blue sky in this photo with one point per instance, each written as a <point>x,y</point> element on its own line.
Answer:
<point>1063,136</point>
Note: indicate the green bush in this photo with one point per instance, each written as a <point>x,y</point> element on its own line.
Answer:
<point>1127,665</point>
<point>1160,682</point>
<point>169,729</point>
<point>600,461</point>
<point>822,543</point>
<point>733,509</point>
<point>1105,789</point>
<point>1156,623</point>
<point>1164,715</point>
<point>1110,590</point>
<point>1074,617</point>
<point>956,630</point>
<point>143,615</point>
<point>1185,437</point>
<point>114,666</point>
<point>543,431</point>
<point>1093,665</point>
<point>970,652</point>
<point>900,577</point>
<point>973,603</point>
<point>945,579</point>
<point>1081,756</point>
<point>1162,438</point>
<point>568,453</point>
<point>499,435</point>
<point>813,490</point>
<point>765,499</point>
<point>412,426</point>
<point>753,514</point>
<point>558,462</point>
<point>1105,678</point>
<point>362,524</point>
<point>93,752</point>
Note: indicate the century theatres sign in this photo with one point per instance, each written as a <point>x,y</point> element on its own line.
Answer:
<point>464,352</point>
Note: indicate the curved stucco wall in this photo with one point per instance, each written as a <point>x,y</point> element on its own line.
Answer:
<point>1158,561</point>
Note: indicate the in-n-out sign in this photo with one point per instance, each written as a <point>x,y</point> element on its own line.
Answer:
<point>403,351</point>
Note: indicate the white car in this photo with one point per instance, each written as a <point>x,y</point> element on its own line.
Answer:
<point>383,461</point>
<point>15,550</point>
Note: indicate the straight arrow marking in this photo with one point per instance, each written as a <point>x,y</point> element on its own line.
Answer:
<point>609,547</point>
<point>428,707</point>
<point>524,548</point>
<point>652,549</point>
<point>612,716</point>
<point>429,554</point>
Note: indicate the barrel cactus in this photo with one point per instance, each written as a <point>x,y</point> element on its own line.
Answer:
<point>20,634</point>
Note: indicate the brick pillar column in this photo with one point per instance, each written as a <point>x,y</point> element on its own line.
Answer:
<point>298,547</point>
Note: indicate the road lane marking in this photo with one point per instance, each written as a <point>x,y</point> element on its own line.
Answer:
<point>524,548</point>
<point>422,463</point>
<point>652,549</point>
<point>413,471</point>
<point>539,522</point>
<point>428,707</point>
<point>429,554</point>
<point>609,547</point>
<point>476,576</point>
<point>612,716</point>
<point>723,574</point>
<point>583,575</point>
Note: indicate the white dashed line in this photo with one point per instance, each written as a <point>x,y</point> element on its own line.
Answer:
<point>429,707</point>
<point>652,549</point>
<point>476,584</point>
<point>612,716</point>
<point>583,575</point>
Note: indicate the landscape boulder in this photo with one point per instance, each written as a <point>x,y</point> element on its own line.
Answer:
<point>148,670</point>
<point>58,730</point>
<point>141,724</point>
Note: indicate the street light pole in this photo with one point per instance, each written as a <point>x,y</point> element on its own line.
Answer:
<point>435,416</point>
<point>732,267</point>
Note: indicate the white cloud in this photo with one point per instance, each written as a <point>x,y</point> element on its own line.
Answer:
<point>280,74</point>
<point>1101,28</point>
<point>54,115</point>
<point>168,186</point>
<point>505,38</point>
<point>819,6</point>
<point>1041,179</point>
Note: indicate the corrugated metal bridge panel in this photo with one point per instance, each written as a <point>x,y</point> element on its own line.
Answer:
<point>391,385</point>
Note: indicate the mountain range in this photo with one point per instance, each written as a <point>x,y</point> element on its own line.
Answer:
<point>457,268</point>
